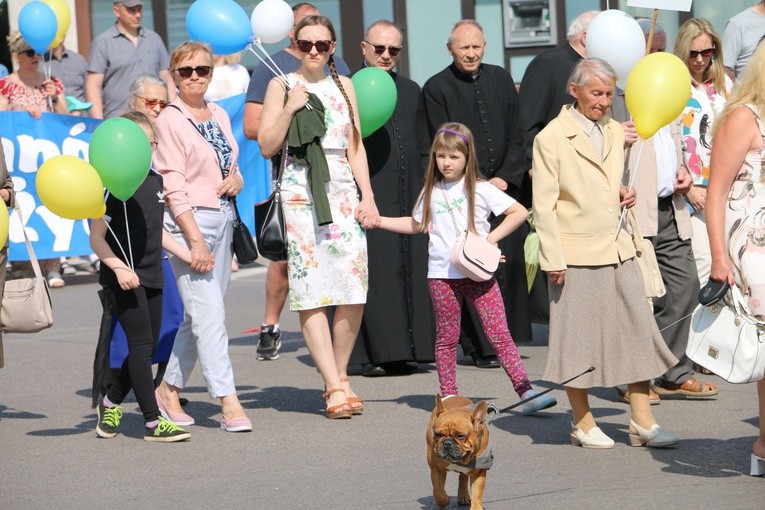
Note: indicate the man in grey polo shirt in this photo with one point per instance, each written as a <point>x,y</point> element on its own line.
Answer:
<point>121,54</point>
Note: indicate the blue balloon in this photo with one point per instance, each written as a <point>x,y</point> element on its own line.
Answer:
<point>222,24</point>
<point>38,26</point>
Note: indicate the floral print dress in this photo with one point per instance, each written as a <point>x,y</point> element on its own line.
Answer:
<point>327,264</point>
<point>745,225</point>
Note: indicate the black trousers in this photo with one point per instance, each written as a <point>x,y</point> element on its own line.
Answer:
<point>140,312</point>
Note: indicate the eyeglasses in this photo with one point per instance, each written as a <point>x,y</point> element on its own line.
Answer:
<point>380,49</point>
<point>29,53</point>
<point>185,72</point>
<point>321,46</point>
<point>706,53</point>
<point>152,103</point>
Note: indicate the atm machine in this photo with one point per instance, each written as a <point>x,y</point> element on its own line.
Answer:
<point>530,23</point>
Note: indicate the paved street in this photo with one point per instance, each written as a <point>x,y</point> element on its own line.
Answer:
<point>50,457</point>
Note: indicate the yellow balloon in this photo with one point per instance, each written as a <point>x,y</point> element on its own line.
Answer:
<point>657,90</point>
<point>3,224</point>
<point>70,187</point>
<point>63,16</point>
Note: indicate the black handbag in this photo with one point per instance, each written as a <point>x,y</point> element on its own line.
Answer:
<point>244,246</point>
<point>270,227</point>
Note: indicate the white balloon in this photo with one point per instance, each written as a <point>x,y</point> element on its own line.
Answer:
<point>272,20</point>
<point>617,38</point>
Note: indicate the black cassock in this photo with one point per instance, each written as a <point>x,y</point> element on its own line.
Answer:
<point>398,322</point>
<point>488,105</point>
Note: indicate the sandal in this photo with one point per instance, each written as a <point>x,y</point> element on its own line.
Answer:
<point>336,412</point>
<point>692,388</point>
<point>356,402</point>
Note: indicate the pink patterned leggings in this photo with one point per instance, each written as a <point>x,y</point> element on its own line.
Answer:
<point>447,295</point>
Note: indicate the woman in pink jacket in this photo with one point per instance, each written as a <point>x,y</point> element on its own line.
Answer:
<point>197,157</point>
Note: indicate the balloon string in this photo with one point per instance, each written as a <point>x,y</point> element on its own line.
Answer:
<point>127,231</point>
<point>278,73</point>
<point>46,72</point>
<point>118,243</point>
<point>629,188</point>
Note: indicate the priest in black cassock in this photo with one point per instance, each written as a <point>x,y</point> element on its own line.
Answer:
<point>483,97</point>
<point>397,325</point>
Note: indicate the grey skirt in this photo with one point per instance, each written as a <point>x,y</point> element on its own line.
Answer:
<point>600,317</point>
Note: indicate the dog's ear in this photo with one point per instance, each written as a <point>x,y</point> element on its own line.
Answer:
<point>439,405</point>
<point>479,414</point>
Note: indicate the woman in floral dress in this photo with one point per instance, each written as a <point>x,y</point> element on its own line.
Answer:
<point>736,205</point>
<point>327,254</point>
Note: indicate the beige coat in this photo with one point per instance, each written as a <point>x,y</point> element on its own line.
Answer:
<point>647,209</point>
<point>576,199</point>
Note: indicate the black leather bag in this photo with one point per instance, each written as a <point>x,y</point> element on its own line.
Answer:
<point>244,246</point>
<point>270,227</point>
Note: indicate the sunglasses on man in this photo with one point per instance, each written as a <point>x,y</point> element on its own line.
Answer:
<point>380,49</point>
<point>321,46</point>
<point>185,72</point>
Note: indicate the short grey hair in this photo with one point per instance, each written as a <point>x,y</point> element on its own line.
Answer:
<point>589,68</point>
<point>645,25</point>
<point>137,86</point>
<point>459,24</point>
<point>580,24</point>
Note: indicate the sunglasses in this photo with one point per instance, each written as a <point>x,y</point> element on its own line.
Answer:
<point>152,103</point>
<point>706,53</point>
<point>185,72</point>
<point>321,46</point>
<point>380,49</point>
<point>29,53</point>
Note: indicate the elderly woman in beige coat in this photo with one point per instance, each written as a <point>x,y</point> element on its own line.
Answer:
<point>598,311</point>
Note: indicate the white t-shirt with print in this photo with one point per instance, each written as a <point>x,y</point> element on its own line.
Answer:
<point>489,199</point>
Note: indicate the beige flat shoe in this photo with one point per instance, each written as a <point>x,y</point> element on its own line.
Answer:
<point>595,438</point>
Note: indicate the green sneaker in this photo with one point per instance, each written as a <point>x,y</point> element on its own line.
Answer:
<point>108,420</point>
<point>166,432</point>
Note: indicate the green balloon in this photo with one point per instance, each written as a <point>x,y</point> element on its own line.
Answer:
<point>121,154</point>
<point>376,97</point>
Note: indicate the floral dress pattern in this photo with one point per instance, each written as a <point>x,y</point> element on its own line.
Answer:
<point>327,264</point>
<point>745,225</point>
<point>20,96</point>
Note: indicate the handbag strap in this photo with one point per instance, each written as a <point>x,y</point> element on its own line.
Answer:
<point>449,208</point>
<point>636,235</point>
<point>282,166</point>
<point>30,250</point>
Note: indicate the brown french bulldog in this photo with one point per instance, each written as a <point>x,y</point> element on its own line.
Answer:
<point>458,440</point>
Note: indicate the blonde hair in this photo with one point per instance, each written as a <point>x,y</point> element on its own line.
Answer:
<point>750,88</point>
<point>187,50</point>
<point>141,119</point>
<point>16,43</point>
<point>234,58</point>
<point>323,21</point>
<point>689,31</point>
<point>451,136</point>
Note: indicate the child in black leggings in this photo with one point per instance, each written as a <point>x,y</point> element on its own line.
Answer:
<point>129,241</point>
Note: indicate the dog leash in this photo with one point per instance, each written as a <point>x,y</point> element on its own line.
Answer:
<point>548,390</point>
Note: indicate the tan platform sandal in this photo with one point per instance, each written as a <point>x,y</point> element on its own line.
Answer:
<point>356,402</point>
<point>335,412</point>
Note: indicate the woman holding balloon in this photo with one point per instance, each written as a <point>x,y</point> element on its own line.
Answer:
<point>699,46</point>
<point>327,262</point>
<point>598,312</point>
<point>27,89</point>
<point>197,156</point>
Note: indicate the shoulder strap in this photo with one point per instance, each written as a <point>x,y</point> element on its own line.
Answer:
<point>449,208</point>
<point>30,250</point>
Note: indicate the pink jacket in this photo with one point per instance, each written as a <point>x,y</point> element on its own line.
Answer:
<point>188,164</point>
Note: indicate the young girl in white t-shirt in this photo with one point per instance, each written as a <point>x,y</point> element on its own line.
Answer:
<point>454,187</point>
